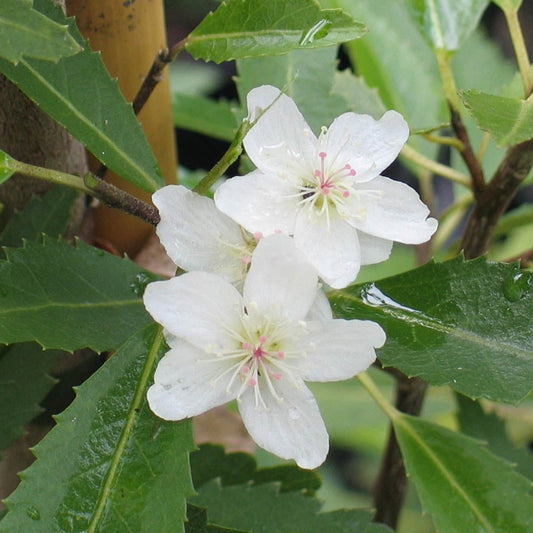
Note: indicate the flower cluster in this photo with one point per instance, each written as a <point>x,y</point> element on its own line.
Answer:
<point>249,320</point>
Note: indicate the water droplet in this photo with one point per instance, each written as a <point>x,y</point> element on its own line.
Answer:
<point>294,414</point>
<point>141,280</point>
<point>33,513</point>
<point>315,32</point>
<point>516,285</point>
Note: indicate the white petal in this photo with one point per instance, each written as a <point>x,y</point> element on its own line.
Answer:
<point>373,249</point>
<point>292,428</point>
<point>320,308</point>
<point>395,212</point>
<point>340,349</point>
<point>368,145</point>
<point>197,236</point>
<point>280,279</point>
<point>199,307</point>
<point>186,384</point>
<point>259,202</point>
<point>333,249</point>
<point>281,141</point>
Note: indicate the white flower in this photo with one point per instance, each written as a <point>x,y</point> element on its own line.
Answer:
<point>326,192</point>
<point>257,348</point>
<point>197,236</point>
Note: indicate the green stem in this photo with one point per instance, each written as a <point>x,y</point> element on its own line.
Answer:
<point>105,192</point>
<point>446,141</point>
<point>373,390</point>
<point>520,50</point>
<point>448,80</point>
<point>52,176</point>
<point>436,168</point>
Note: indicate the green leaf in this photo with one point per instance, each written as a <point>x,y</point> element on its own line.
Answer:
<point>6,170</point>
<point>390,57</point>
<point>197,522</point>
<point>460,483</point>
<point>304,75</point>
<point>210,462</point>
<point>27,33</point>
<point>251,28</point>
<point>49,214</point>
<point>24,382</point>
<point>78,93</point>
<point>269,511</point>
<point>489,427</point>
<point>465,324</point>
<point>203,115</point>
<point>446,24</point>
<point>508,120</point>
<point>109,464</point>
<point>69,297</point>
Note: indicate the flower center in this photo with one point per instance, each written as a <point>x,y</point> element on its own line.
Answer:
<point>328,187</point>
<point>267,346</point>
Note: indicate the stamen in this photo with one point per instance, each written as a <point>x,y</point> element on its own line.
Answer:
<point>246,259</point>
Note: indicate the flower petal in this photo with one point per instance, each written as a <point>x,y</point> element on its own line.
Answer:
<point>281,141</point>
<point>259,202</point>
<point>186,383</point>
<point>373,249</point>
<point>199,307</point>
<point>340,349</point>
<point>320,308</point>
<point>291,428</point>
<point>392,211</point>
<point>367,145</point>
<point>331,247</point>
<point>280,279</point>
<point>197,236</point>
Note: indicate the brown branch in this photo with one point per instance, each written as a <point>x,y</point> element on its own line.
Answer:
<point>117,198</point>
<point>391,484</point>
<point>467,153</point>
<point>495,198</point>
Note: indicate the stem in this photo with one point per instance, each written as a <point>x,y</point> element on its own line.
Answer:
<point>52,176</point>
<point>467,153</point>
<point>155,74</point>
<point>94,186</point>
<point>391,484</point>
<point>437,168</point>
<point>446,141</point>
<point>447,77</point>
<point>495,198</point>
<point>483,146</point>
<point>520,50</point>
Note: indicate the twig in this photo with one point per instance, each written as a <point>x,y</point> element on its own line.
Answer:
<point>467,153</point>
<point>117,198</point>
<point>495,199</point>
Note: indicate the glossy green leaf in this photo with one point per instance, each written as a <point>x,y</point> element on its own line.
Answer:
<point>24,382</point>
<point>24,32</point>
<point>49,214</point>
<point>508,120</point>
<point>460,483</point>
<point>69,297</point>
<point>487,426</point>
<point>446,24</point>
<point>210,462</point>
<point>78,93</point>
<point>465,324</point>
<point>251,28</point>
<point>203,115</point>
<point>6,170</point>
<point>109,464</point>
<point>270,511</point>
